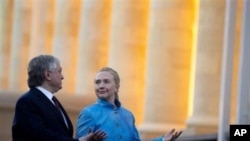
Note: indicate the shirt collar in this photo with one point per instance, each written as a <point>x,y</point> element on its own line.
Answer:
<point>47,93</point>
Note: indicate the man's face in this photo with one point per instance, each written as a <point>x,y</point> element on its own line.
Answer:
<point>105,86</point>
<point>55,79</point>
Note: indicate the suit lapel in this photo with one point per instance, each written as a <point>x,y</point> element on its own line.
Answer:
<point>70,126</point>
<point>51,107</point>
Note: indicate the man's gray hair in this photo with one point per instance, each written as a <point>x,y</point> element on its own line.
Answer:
<point>37,67</point>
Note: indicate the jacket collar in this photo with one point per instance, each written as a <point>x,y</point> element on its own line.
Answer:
<point>105,103</point>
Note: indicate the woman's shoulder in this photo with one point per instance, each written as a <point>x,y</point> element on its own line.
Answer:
<point>125,110</point>
<point>90,108</point>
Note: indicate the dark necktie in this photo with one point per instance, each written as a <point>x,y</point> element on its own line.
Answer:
<point>56,104</point>
<point>59,109</point>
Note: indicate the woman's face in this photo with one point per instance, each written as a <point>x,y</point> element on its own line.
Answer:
<point>105,87</point>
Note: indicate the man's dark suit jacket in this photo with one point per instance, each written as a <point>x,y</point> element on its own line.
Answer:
<point>37,119</point>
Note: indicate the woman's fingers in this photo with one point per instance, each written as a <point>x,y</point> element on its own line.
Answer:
<point>172,135</point>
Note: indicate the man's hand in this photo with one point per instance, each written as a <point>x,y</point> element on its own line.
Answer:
<point>172,135</point>
<point>96,136</point>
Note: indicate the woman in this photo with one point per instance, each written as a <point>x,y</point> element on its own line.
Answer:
<point>107,113</point>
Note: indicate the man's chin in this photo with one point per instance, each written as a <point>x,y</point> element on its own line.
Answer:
<point>58,89</point>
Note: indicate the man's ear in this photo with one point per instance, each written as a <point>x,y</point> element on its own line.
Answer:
<point>47,75</point>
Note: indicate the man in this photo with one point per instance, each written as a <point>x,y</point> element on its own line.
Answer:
<point>39,116</point>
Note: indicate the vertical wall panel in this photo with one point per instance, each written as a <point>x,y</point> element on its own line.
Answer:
<point>168,66</point>
<point>93,43</point>
<point>65,42</point>
<point>6,8</point>
<point>127,51</point>
<point>20,43</point>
